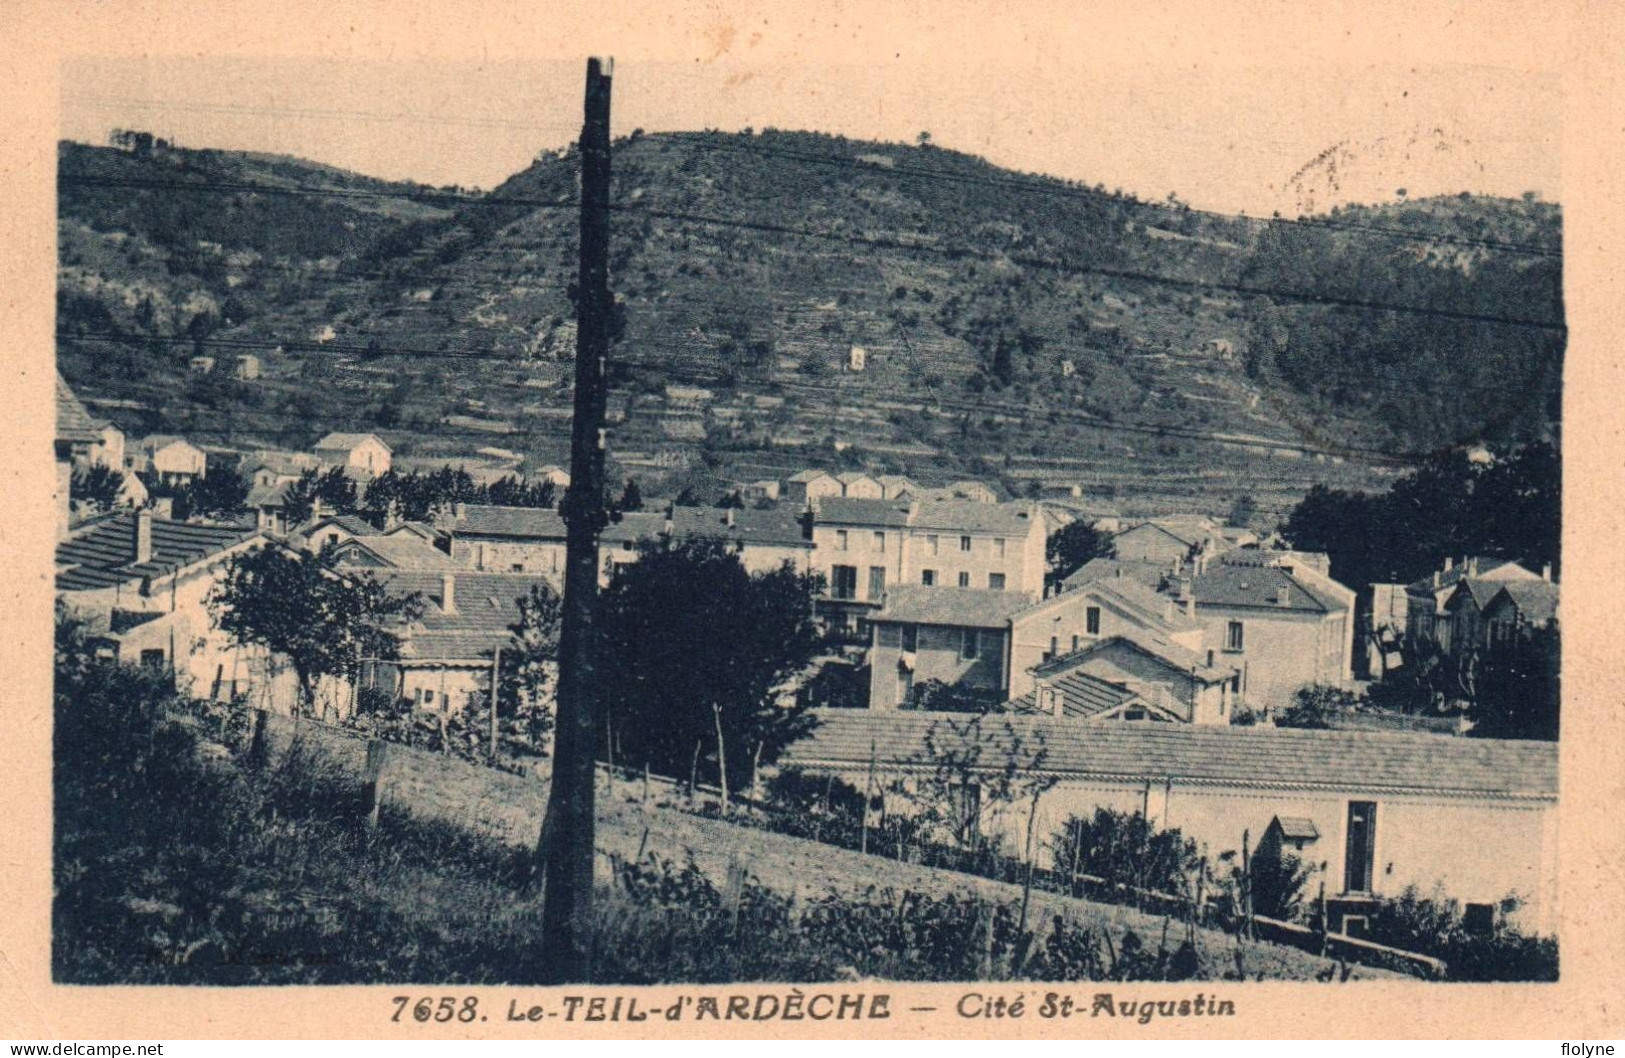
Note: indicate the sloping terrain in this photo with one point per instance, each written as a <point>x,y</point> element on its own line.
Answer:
<point>1013,324</point>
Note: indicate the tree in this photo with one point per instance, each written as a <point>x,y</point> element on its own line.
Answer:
<point>1278,880</point>
<point>1243,510</point>
<point>298,605</point>
<point>1519,688</point>
<point>631,497</point>
<point>971,770</point>
<point>1125,849</point>
<point>96,484</point>
<point>1315,706</point>
<point>703,651</point>
<point>218,494</point>
<point>1071,546</point>
<point>332,487</point>
<point>530,661</point>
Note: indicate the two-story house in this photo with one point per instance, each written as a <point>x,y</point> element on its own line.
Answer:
<point>764,540</point>
<point>806,487</point>
<point>1427,621</point>
<point>858,546</point>
<point>169,457</point>
<point>507,539</point>
<point>1484,614</point>
<point>363,455</point>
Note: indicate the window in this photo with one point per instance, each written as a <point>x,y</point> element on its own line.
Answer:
<point>626,545</point>
<point>1134,714</point>
<point>964,580</point>
<point>153,659</point>
<point>877,581</point>
<point>519,567</point>
<point>967,643</point>
<point>964,543</point>
<point>1361,846</point>
<point>995,581</point>
<point>928,576</point>
<point>911,638</point>
<point>844,582</point>
<point>888,636</point>
<point>1054,647</point>
<point>840,539</point>
<point>1233,638</point>
<point>1091,620</point>
<point>1074,644</point>
<point>931,544</point>
<point>998,546</point>
<point>428,697</point>
<point>880,540</point>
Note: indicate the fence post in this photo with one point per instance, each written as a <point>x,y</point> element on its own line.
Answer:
<point>1247,883</point>
<point>1325,923</point>
<point>256,738</point>
<point>377,752</point>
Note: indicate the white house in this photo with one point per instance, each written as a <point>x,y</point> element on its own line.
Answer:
<point>807,487</point>
<point>143,584</point>
<point>363,453</point>
<point>108,451</point>
<point>1372,812</point>
<point>171,457</point>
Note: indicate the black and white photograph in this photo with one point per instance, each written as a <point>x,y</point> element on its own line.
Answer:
<point>607,521</point>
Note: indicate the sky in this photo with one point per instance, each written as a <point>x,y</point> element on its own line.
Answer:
<point>1222,138</point>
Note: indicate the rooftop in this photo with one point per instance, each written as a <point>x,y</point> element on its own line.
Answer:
<point>347,441</point>
<point>1166,651</point>
<point>771,528</point>
<point>403,552</point>
<point>1536,600</point>
<point>1256,585</point>
<point>1282,759</point>
<point>971,516</point>
<point>529,522</point>
<point>1482,564</point>
<point>73,423</point>
<point>104,556</point>
<point>1148,574</point>
<point>958,607</point>
<point>633,526</point>
<point>1082,696</point>
<point>846,510</point>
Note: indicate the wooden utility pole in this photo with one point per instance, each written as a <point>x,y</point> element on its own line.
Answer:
<point>567,852</point>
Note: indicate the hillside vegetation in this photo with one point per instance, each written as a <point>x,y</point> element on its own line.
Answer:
<point>1014,324</point>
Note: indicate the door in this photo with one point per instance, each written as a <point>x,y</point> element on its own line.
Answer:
<point>1360,848</point>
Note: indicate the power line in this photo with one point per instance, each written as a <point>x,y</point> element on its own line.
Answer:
<point>1114,273</point>
<point>318,113</point>
<point>426,196</point>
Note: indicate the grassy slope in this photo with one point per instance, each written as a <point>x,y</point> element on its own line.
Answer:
<point>244,877</point>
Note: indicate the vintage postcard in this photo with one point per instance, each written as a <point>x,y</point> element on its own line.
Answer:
<point>890,520</point>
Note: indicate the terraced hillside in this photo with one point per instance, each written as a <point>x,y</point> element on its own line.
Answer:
<point>1012,325</point>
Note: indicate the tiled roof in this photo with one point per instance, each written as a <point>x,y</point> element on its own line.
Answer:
<point>1147,573</point>
<point>895,481</point>
<point>1083,696</point>
<point>1164,651</point>
<point>970,516</point>
<point>847,510</point>
<point>73,423</point>
<point>346,441</point>
<point>849,476</point>
<point>269,495</point>
<point>1478,589</point>
<point>541,523</point>
<point>1184,534</point>
<point>403,552</point>
<point>487,606</point>
<point>634,526</point>
<point>1536,600</point>
<point>417,529</point>
<point>1147,601</point>
<point>1204,754</point>
<point>1448,578</point>
<point>959,607</point>
<point>155,441</point>
<point>104,556</point>
<point>1297,828</point>
<point>771,528</point>
<point>1246,584</point>
<point>353,524</point>
<point>808,475</point>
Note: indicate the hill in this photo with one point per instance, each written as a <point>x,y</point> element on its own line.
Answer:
<point>1014,325</point>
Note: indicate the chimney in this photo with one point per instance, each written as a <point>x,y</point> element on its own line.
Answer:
<point>1210,659</point>
<point>316,509</point>
<point>728,517</point>
<point>1283,596</point>
<point>1436,578</point>
<point>143,536</point>
<point>1472,567</point>
<point>448,592</point>
<point>1546,573</point>
<point>1449,563</point>
<point>459,510</point>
